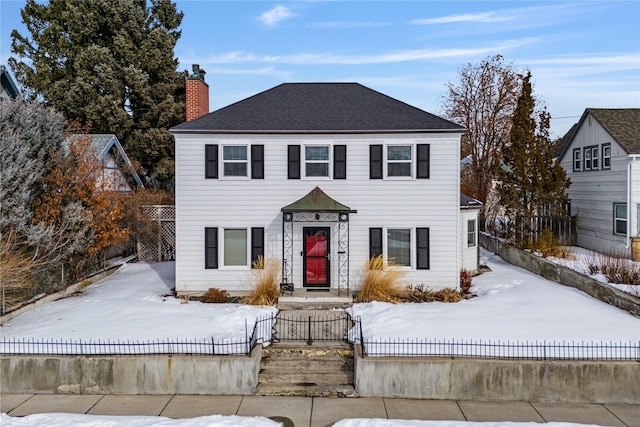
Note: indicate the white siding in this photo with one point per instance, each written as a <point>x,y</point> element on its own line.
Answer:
<point>469,255</point>
<point>411,203</point>
<point>593,193</point>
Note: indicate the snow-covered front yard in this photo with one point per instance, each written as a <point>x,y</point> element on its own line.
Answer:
<point>135,304</point>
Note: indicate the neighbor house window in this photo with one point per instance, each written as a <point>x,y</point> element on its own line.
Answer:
<point>399,162</point>
<point>595,158</point>
<point>235,247</point>
<point>471,233</point>
<point>235,159</point>
<point>577,160</point>
<point>606,156</point>
<point>587,158</point>
<point>620,218</point>
<point>316,161</point>
<point>399,246</point>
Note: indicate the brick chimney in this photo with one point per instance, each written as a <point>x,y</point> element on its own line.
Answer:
<point>197,102</point>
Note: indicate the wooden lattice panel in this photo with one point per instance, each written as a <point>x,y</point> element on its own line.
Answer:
<point>160,246</point>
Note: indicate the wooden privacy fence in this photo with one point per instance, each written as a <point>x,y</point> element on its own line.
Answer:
<point>159,244</point>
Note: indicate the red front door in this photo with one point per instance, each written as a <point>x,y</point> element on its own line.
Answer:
<point>316,256</point>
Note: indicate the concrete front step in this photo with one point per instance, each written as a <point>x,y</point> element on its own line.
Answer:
<point>306,390</point>
<point>306,377</point>
<point>312,371</point>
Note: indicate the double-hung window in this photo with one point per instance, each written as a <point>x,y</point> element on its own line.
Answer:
<point>399,161</point>
<point>620,218</point>
<point>595,158</point>
<point>577,160</point>
<point>606,156</point>
<point>587,158</point>
<point>238,247</point>
<point>471,233</point>
<point>316,161</point>
<point>235,160</point>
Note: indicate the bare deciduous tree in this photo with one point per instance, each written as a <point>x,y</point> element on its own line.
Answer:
<point>483,100</point>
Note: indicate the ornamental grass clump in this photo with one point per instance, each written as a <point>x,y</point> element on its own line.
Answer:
<point>264,279</point>
<point>382,281</point>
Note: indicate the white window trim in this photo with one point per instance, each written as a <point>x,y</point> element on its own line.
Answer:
<point>385,161</point>
<point>605,146</point>
<point>475,233</point>
<point>329,162</point>
<point>221,246</point>
<point>587,157</point>
<point>222,162</point>
<point>412,243</point>
<point>595,157</point>
<point>577,158</point>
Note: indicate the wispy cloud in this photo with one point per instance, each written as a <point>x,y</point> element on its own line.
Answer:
<point>346,24</point>
<point>467,17</point>
<point>273,17</point>
<point>381,58</point>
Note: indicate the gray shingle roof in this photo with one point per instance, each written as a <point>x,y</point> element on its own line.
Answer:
<point>469,202</point>
<point>623,124</point>
<point>318,108</point>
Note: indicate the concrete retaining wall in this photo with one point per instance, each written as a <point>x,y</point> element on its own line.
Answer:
<point>131,375</point>
<point>562,275</point>
<point>481,379</point>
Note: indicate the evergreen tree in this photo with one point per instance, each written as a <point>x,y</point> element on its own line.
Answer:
<point>109,65</point>
<point>530,182</point>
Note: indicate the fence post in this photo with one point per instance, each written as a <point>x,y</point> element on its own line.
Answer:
<point>309,339</point>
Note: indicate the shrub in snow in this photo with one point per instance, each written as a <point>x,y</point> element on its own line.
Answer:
<point>465,281</point>
<point>215,296</point>
<point>420,293</point>
<point>263,279</point>
<point>381,281</point>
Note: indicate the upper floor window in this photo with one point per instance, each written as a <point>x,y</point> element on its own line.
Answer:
<point>606,156</point>
<point>577,159</point>
<point>235,159</point>
<point>619,218</point>
<point>587,158</point>
<point>595,158</point>
<point>399,161</point>
<point>316,160</point>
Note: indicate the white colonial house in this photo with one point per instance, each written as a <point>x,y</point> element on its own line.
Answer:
<point>321,176</point>
<point>601,155</point>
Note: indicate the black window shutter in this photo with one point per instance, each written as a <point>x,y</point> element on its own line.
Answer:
<point>375,242</point>
<point>257,243</point>
<point>293,168</point>
<point>375,162</point>
<point>422,248</point>
<point>339,162</point>
<point>211,161</point>
<point>257,162</point>
<point>210,247</point>
<point>423,161</point>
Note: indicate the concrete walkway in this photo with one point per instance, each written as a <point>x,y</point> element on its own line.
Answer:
<point>320,411</point>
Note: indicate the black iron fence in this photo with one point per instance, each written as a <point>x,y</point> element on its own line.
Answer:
<point>332,326</point>
<point>618,351</point>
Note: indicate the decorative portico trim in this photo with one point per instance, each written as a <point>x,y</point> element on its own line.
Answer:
<point>317,206</point>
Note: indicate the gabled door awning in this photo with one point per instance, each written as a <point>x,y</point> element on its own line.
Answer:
<point>317,201</point>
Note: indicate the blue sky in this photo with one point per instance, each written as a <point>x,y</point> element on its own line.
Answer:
<point>581,54</point>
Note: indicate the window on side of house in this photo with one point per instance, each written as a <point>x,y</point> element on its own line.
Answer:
<point>235,247</point>
<point>606,156</point>
<point>399,161</point>
<point>620,218</point>
<point>595,158</point>
<point>471,233</point>
<point>316,161</point>
<point>587,158</point>
<point>235,160</point>
<point>399,246</point>
<point>577,160</point>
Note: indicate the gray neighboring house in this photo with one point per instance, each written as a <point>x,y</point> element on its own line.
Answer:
<point>8,87</point>
<point>117,170</point>
<point>601,155</point>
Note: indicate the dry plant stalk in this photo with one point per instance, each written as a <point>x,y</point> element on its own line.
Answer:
<point>264,279</point>
<point>382,281</point>
<point>421,294</point>
<point>15,271</point>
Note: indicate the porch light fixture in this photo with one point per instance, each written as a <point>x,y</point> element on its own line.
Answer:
<point>344,217</point>
<point>288,217</point>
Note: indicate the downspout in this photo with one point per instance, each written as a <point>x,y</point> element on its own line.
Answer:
<point>633,158</point>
